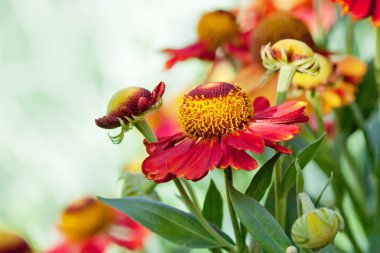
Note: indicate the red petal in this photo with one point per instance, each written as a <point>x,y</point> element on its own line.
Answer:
<point>376,13</point>
<point>163,143</point>
<point>237,159</point>
<point>197,161</point>
<point>274,132</point>
<point>96,244</point>
<point>288,112</point>
<point>277,147</point>
<point>246,140</point>
<point>359,8</point>
<point>158,92</point>
<point>64,247</point>
<point>197,50</point>
<point>260,104</point>
<point>155,167</point>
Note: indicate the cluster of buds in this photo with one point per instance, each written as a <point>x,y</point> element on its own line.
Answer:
<point>128,108</point>
<point>316,228</point>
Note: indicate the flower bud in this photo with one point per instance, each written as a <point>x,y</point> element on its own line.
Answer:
<point>129,106</point>
<point>291,249</point>
<point>290,52</point>
<point>317,228</point>
<point>11,243</point>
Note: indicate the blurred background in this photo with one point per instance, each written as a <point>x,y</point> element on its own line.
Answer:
<point>60,62</point>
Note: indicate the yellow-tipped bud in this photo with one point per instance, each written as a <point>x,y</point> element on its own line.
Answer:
<point>290,52</point>
<point>317,228</point>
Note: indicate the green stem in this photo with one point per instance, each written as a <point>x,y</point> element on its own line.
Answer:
<point>146,130</point>
<point>279,199</point>
<point>377,60</point>
<point>359,119</point>
<point>192,193</point>
<point>349,37</point>
<point>316,102</point>
<point>299,187</point>
<point>204,223</point>
<point>229,182</point>
<point>284,79</point>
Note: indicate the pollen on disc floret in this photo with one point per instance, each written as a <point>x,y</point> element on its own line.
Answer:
<point>215,109</point>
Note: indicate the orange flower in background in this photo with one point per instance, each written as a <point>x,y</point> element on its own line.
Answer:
<point>220,123</point>
<point>217,29</point>
<point>12,243</point>
<point>90,226</point>
<point>360,9</point>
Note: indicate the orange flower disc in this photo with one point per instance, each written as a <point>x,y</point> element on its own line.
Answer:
<point>215,109</point>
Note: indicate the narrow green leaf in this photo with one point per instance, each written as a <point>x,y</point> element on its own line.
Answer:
<point>213,205</point>
<point>304,158</point>
<point>262,179</point>
<point>170,223</point>
<point>259,223</point>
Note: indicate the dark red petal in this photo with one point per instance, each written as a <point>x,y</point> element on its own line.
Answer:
<point>158,92</point>
<point>237,159</point>
<point>197,161</point>
<point>97,244</point>
<point>376,13</point>
<point>155,167</point>
<point>163,143</point>
<point>277,147</point>
<point>274,132</point>
<point>246,140</point>
<point>143,104</point>
<point>197,50</point>
<point>107,122</point>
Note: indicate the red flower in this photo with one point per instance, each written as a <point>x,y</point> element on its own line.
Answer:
<point>91,226</point>
<point>360,9</point>
<point>220,124</point>
<point>215,30</point>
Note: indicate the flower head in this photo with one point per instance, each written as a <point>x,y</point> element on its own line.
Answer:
<point>277,27</point>
<point>290,52</point>
<point>128,106</point>
<point>316,229</point>
<point>90,226</point>
<point>219,125</point>
<point>361,9</point>
<point>12,243</point>
<point>215,29</point>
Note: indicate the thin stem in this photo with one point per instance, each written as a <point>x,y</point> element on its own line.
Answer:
<point>349,37</point>
<point>316,102</point>
<point>146,130</point>
<point>284,79</point>
<point>299,187</point>
<point>204,223</point>
<point>279,200</point>
<point>229,181</point>
<point>377,60</point>
<point>192,193</point>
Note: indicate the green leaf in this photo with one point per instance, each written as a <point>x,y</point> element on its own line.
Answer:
<point>213,205</point>
<point>259,223</point>
<point>170,223</point>
<point>304,158</point>
<point>262,179</point>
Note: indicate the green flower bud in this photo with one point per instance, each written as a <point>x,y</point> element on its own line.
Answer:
<point>317,228</point>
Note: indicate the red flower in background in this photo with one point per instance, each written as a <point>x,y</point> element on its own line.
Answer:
<point>90,226</point>
<point>360,9</point>
<point>217,29</point>
<point>219,125</point>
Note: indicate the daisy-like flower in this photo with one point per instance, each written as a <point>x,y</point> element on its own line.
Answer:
<point>360,9</point>
<point>219,125</point>
<point>90,226</point>
<point>216,29</point>
<point>128,108</point>
<point>12,243</point>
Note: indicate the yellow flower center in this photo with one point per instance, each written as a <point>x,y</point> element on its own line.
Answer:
<point>85,218</point>
<point>215,109</point>
<point>216,28</point>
